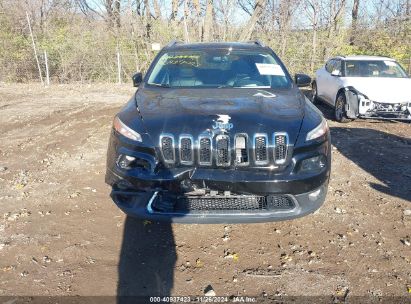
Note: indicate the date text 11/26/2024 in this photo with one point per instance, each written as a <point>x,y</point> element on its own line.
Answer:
<point>203,299</point>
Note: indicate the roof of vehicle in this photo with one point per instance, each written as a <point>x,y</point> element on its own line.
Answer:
<point>365,57</point>
<point>215,45</point>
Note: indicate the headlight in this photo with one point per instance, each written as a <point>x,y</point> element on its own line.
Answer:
<point>121,128</point>
<point>313,164</point>
<point>318,131</point>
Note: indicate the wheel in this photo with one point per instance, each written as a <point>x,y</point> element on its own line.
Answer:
<point>339,109</point>
<point>314,93</point>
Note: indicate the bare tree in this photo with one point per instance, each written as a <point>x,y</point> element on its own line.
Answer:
<point>111,12</point>
<point>354,21</point>
<point>197,19</point>
<point>157,9</point>
<point>208,22</point>
<point>225,9</point>
<point>174,9</point>
<point>335,13</point>
<point>284,17</point>
<point>258,9</point>
<point>186,12</point>
<point>312,9</point>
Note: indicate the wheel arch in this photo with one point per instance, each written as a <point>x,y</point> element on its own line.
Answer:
<point>340,90</point>
<point>351,99</point>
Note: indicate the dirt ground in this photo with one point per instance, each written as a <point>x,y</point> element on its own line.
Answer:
<point>60,233</point>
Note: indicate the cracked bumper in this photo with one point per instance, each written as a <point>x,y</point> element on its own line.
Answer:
<point>133,190</point>
<point>136,205</point>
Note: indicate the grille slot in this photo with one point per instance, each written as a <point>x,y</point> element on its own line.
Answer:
<point>167,148</point>
<point>241,149</point>
<point>260,149</point>
<point>280,147</point>
<point>223,150</point>
<point>205,148</point>
<point>186,150</point>
<point>239,203</point>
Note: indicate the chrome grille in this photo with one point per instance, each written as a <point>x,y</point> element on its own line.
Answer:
<point>280,147</point>
<point>223,150</point>
<point>186,150</point>
<point>260,149</point>
<point>205,148</point>
<point>167,148</point>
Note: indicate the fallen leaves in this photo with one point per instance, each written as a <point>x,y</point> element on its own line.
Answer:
<point>199,263</point>
<point>234,256</point>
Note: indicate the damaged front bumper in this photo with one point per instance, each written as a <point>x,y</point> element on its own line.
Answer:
<point>358,105</point>
<point>373,109</point>
<point>215,195</point>
<point>139,204</point>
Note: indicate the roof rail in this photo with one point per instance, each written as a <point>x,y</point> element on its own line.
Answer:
<point>258,42</point>
<point>172,43</point>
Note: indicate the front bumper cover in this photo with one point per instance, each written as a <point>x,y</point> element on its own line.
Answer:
<point>358,105</point>
<point>133,190</point>
<point>137,204</point>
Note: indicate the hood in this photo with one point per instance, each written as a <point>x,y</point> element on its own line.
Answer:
<point>384,90</point>
<point>215,111</point>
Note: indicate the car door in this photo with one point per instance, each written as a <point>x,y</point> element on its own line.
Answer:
<point>334,83</point>
<point>319,78</point>
<point>324,81</point>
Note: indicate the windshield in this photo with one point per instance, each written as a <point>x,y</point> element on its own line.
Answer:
<point>374,68</point>
<point>218,68</point>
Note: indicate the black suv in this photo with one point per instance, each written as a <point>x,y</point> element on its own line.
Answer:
<point>218,132</point>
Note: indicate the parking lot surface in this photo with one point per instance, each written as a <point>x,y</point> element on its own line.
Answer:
<point>60,233</point>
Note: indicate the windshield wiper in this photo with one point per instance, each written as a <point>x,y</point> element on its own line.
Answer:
<point>162,85</point>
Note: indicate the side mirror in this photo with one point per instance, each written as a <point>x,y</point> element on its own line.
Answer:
<point>137,79</point>
<point>302,80</point>
<point>336,73</point>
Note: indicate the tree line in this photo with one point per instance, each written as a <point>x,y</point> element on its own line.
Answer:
<point>95,40</point>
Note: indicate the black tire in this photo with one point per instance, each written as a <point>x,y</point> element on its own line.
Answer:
<point>339,109</point>
<point>314,93</point>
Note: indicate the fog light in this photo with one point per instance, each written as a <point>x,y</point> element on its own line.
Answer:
<point>313,196</point>
<point>313,164</point>
<point>124,161</point>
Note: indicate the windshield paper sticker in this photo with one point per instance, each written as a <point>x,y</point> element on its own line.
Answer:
<point>270,69</point>
<point>389,63</point>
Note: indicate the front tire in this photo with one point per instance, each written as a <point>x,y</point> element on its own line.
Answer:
<point>339,109</point>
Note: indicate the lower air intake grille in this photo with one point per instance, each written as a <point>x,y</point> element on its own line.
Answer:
<point>223,150</point>
<point>186,151</point>
<point>205,151</point>
<point>167,148</point>
<point>234,203</point>
<point>261,149</point>
<point>280,148</point>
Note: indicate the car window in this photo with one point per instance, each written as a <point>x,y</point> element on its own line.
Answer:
<point>337,65</point>
<point>374,68</point>
<point>218,68</point>
<point>329,65</point>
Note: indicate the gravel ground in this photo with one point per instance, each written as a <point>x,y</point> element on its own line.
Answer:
<point>60,233</point>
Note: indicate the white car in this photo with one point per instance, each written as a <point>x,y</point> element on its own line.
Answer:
<point>364,86</point>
